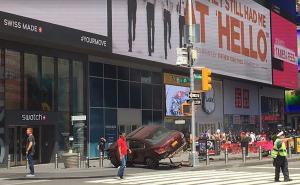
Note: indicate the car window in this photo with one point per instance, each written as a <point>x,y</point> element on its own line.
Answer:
<point>158,135</point>
<point>136,145</point>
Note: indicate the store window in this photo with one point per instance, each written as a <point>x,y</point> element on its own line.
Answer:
<point>146,117</point>
<point>123,94</point>
<point>31,83</point>
<point>96,69</point>
<point>63,85</point>
<point>146,96</point>
<point>135,95</point>
<point>78,88</point>
<point>110,93</point>
<point>96,92</point>
<point>12,80</point>
<point>47,84</point>
<point>110,71</point>
<point>157,97</point>
<point>123,73</point>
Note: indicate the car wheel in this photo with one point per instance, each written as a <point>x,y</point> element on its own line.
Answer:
<point>152,163</point>
<point>115,163</point>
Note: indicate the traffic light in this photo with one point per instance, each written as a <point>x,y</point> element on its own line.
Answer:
<point>185,109</point>
<point>206,79</point>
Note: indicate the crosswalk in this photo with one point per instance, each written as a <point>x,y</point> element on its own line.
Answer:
<point>207,177</point>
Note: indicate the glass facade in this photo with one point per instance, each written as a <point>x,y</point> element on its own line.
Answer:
<point>113,87</point>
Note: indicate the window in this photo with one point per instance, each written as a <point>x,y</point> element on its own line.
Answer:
<point>146,96</point>
<point>123,73</point>
<point>146,117</point>
<point>135,95</point>
<point>110,93</point>
<point>78,88</point>
<point>136,145</point>
<point>97,128</point>
<point>123,94</point>
<point>146,77</point>
<point>96,69</point>
<point>12,80</point>
<point>157,97</point>
<point>110,71</point>
<point>160,134</point>
<point>96,92</point>
<point>157,117</point>
<point>156,78</point>
<point>47,84</point>
<point>31,83</point>
<point>63,86</point>
<point>135,75</point>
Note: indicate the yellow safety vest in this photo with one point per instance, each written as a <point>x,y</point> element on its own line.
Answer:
<point>279,151</point>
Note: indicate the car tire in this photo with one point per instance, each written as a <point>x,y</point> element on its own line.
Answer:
<point>152,163</point>
<point>115,163</point>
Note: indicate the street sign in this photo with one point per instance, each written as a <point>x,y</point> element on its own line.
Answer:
<point>198,102</point>
<point>182,56</point>
<point>198,76</point>
<point>194,95</point>
<point>183,79</point>
<point>180,122</point>
<point>79,118</point>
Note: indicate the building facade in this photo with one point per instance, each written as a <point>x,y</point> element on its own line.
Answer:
<point>116,65</point>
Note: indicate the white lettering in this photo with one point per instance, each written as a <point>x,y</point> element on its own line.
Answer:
<point>94,41</point>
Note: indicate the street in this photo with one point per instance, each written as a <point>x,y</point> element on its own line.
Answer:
<point>248,175</point>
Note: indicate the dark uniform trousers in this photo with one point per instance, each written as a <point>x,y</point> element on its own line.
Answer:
<point>281,163</point>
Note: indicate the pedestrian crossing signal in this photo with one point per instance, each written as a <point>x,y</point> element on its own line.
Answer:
<point>185,109</point>
<point>206,79</point>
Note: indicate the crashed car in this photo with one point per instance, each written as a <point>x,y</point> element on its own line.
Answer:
<point>148,145</point>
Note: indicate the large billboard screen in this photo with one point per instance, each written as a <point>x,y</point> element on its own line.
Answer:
<point>175,97</point>
<point>89,16</point>
<point>232,38</point>
<point>298,47</point>
<point>284,42</point>
<point>292,101</point>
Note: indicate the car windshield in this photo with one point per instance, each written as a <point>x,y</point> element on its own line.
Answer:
<point>158,135</point>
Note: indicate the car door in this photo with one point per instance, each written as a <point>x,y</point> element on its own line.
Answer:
<point>137,151</point>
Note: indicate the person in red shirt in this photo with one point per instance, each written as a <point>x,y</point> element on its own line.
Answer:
<point>122,151</point>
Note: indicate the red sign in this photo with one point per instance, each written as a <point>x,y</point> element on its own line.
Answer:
<point>238,98</point>
<point>284,44</point>
<point>269,118</point>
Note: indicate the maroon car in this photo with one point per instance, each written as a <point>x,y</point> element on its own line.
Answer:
<point>149,144</point>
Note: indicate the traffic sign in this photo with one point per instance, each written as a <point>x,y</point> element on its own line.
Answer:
<point>198,76</point>
<point>198,102</point>
<point>182,56</point>
<point>194,95</point>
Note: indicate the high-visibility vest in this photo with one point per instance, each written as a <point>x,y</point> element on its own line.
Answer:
<point>279,151</point>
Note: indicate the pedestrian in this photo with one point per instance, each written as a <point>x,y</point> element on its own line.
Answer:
<point>122,151</point>
<point>30,149</point>
<point>101,146</point>
<point>279,154</point>
<point>245,142</point>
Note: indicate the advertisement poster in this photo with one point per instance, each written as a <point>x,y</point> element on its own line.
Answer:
<point>234,38</point>
<point>284,39</point>
<point>292,101</point>
<point>298,47</point>
<point>175,97</point>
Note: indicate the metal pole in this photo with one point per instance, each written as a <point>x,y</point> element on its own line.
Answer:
<point>260,153</point>
<point>101,160</point>
<point>289,150</point>
<point>56,161</point>
<point>244,155</point>
<point>26,162</point>
<point>87,162</point>
<point>8,161</point>
<point>226,156</point>
<point>207,157</point>
<point>190,47</point>
<point>79,160</point>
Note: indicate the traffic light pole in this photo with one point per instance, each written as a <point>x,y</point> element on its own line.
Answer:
<point>192,88</point>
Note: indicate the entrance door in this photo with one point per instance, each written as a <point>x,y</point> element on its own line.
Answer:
<point>17,145</point>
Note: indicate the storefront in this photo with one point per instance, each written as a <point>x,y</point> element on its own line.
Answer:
<point>42,85</point>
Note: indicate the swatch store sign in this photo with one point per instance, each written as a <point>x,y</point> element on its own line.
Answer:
<point>31,117</point>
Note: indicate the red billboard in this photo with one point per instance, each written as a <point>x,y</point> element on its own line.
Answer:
<point>284,50</point>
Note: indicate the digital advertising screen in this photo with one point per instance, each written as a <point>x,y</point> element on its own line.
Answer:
<point>298,47</point>
<point>232,39</point>
<point>284,45</point>
<point>175,97</point>
<point>292,101</point>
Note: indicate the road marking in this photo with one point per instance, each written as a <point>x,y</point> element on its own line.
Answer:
<point>27,182</point>
<point>207,177</point>
<point>269,167</point>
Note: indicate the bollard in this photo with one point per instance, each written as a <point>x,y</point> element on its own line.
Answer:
<point>260,153</point>
<point>8,161</point>
<point>79,161</point>
<point>101,158</point>
<point>290,151</point>
<point>56,161</point>
<point>87,162</point>
<point>244,155</point>
<point>226,156</point>
<point>207,157</point>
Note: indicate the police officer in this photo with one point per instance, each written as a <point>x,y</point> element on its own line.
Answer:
<point>279,154</point>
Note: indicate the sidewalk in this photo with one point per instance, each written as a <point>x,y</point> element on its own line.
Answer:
<point>216,162</point>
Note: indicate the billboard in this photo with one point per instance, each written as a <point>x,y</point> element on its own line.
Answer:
<point>89,16</point>
<point>284,45</point>
<point>234,38</point>
<point>292,101</point>
<point>175,97</point>
<point>298,47</point>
